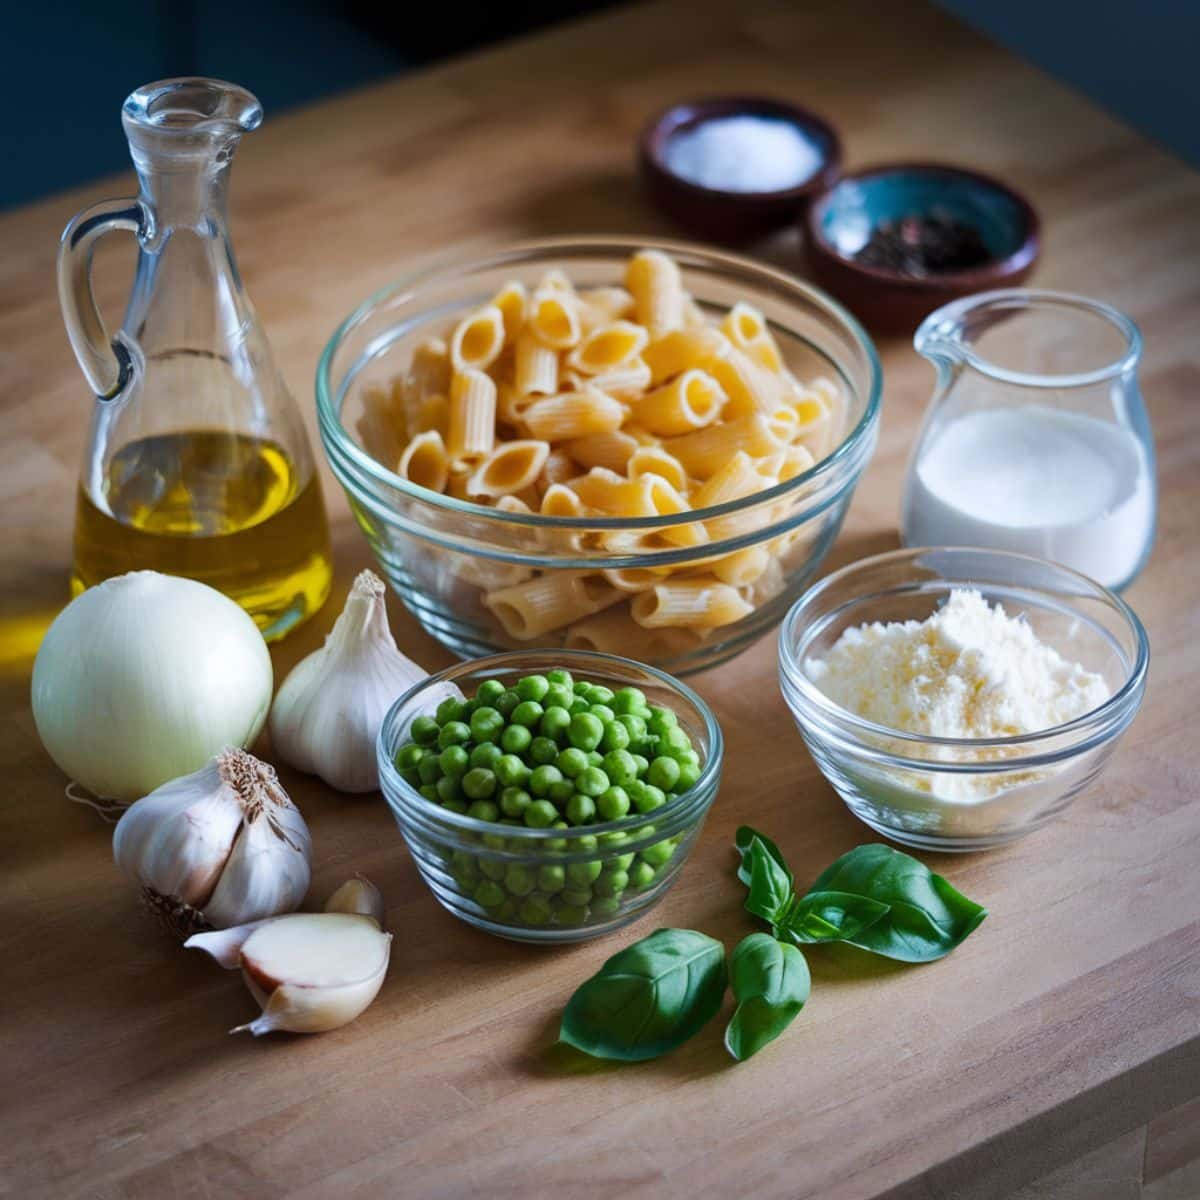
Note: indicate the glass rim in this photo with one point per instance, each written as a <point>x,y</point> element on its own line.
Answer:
<point>1037,298</point>
<point>331,427</point>
<point>697,796</point>
<point>1096,721</point>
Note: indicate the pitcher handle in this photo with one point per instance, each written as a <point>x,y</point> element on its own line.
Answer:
<point>111,365</point>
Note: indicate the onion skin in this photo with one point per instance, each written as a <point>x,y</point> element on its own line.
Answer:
<point>144,678</point>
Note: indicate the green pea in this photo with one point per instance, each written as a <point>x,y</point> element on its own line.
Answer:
<point>454,733</point>
<point>632,723</point>
<point>478,784</point>
<point>571,762</point>
<point>458,806</point>
<point>585,731</point>
<point>689,775</point>
<point>611,883</point>
<point>486,724</point>
<point>486,755</point>
<point>562,676</point>
<point>572,914</point>
<point>592,782</point>
<point>584,874</point>
<point>407,757</point>
<point>560,792</point>
<point>424,731</point>
<point>510,771</point>
<point>528,713</point>
<point>454,761</point>
<point>448,789</point>
<point>641,875</point>
<point>557,843</point>
<point>468,707</point>
<point>558,696</point>
<point>449,710</point>
<point>493,868</point>
<point>489,894</point>
<point>595,758</point>
<point>554,723</point>
<point>519,880</point>
<point>583,843</point>
<point>506,703</point>
<point>661,719</point>
<point>659,854</point>
<point>609,840</point>
<point>663,773</point>
<point>578,706</point>
<point>489,691</point>
<point>651,798</point>
<point>581,809</point>
<point>484,810</point>
<point>641,763</point>
<point>551,879</point>
<point>536,910</point>
<point>581,896</point>
<point>493,841</point>
<point>515,739</point>
<point>533,687</point>
<point>616,737</point>
<point>620,862</point>
<point>602,713</point>
<point>621,767</point>
<point>463,866</point>
<point>543,750</point>
<point>540,814</point>
<point>629,700</point>
<point>430,769</point>
<point>600,694</point>
<point>674,742</point>
<point>606,906</point>
<point>613,804</point>
<point>410,776</point>
<point>540,778</point>
<point>429,792</point>
<point>514,801</point>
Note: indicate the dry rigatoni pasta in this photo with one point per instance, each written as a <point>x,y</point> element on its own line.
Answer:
<point>614,402</point>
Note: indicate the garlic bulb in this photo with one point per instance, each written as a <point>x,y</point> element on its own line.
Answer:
<point>310,972</point>
<point>359,896</point>
<point>220,847</point>
<point>327,714</point>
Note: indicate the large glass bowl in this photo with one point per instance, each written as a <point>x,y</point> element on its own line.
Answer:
<point>955,793</point>
<point>443,555</point>
<point>495,877</point>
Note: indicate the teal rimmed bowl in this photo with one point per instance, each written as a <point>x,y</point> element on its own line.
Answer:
<point>471,865</point>
<point>444,555</point>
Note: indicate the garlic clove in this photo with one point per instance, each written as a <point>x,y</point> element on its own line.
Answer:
<point>176,841</point>
<point>225,945</point>
<point>268,869</point>
<point>327,715</point>
<point>358,896</point>
<point>312,972</point>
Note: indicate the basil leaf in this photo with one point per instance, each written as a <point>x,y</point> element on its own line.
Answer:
<point>770,884</point>
<point>831,917</point>
<point>648,998</point>
<point>926,917</point>
<point>742,840</point>
<point>771,984</point>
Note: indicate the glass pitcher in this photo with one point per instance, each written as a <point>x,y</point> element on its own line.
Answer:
<point>197,463</point>
<point>1036,438</point>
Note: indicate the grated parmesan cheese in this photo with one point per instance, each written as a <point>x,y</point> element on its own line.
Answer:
<point>969,671</point>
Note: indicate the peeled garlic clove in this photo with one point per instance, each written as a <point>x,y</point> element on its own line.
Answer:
<point>225,945</point>
<point>328,712</point>
<point>176,840</point>
<point>313,972</point>
<point>358,896</point>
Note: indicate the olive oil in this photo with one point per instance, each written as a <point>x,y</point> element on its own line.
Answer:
<point>228,509</point>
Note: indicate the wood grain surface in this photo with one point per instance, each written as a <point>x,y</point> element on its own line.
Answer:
<point>1070,1021</point>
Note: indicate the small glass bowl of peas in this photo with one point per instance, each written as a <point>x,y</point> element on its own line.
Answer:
<point>550,796</point>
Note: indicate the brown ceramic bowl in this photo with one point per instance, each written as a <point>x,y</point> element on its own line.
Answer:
<point>839,222</point>
<point>726,216</point>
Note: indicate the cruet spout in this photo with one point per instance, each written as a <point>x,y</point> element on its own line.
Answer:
<point>939,338</point>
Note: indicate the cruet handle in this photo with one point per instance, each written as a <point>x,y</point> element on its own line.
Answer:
<point>111,365</point>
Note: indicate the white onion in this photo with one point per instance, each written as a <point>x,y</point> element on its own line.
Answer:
<point>146,677</point>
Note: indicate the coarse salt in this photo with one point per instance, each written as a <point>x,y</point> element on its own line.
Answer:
<point>744,154</point>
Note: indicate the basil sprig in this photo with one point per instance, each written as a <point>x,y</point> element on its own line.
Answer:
<point>873,897</point>
<point>770,984</point>
<point>648,998</point>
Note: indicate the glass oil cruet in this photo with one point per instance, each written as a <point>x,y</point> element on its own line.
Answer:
<point>197,463</point>
<point>1036,439</point>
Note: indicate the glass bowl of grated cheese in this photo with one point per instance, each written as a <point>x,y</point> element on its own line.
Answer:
<point>956,698</point>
